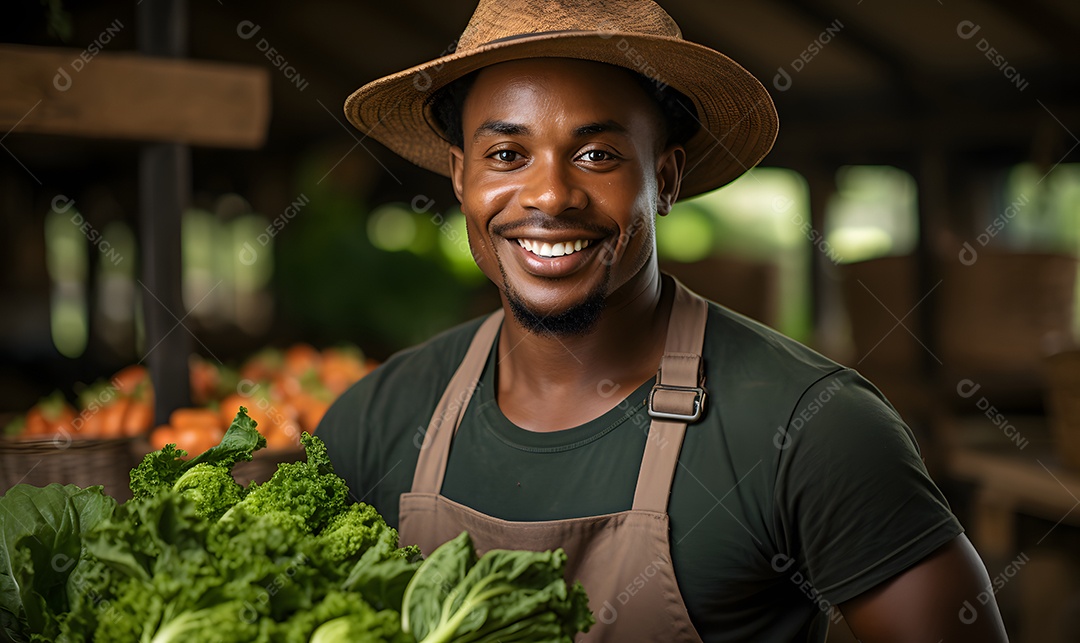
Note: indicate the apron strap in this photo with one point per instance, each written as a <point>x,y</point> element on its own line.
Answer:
<point>677,399</point>
<point>435,451</point>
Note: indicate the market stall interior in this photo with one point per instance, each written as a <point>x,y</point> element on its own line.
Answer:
<point>188,224</point>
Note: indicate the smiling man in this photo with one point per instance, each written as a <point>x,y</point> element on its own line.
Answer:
<point>710,479</point>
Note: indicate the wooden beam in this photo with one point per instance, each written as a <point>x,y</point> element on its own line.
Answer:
<point>127,96</point>
<point>915,86</point>
<point>1046,24</point>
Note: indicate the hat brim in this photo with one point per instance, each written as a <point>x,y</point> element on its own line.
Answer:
<point>738,119</point>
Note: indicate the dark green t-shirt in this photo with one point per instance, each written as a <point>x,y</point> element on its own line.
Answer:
<point>800,488</point>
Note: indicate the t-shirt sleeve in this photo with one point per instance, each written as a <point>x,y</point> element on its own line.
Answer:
<point>855,505</point>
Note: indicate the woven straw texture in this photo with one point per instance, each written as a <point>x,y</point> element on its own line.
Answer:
<point>737,115</point>
<point>81,462</point>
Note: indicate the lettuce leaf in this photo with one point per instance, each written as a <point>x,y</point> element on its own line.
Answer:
<point>41,542</point>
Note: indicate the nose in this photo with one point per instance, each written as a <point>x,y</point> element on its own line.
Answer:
<point>551,187</point>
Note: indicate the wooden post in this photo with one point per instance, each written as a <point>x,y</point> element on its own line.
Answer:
<point>826,306</point>
<point>933,209</point>
<point>164,193</point>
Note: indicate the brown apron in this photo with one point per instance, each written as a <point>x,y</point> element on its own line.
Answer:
<point>622,559</point>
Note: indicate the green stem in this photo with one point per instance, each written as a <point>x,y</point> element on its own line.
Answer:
<point>476,597</point>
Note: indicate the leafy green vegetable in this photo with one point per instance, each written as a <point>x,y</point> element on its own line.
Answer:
<point>504,596</point>
<point>211,487</point>
<point>41,532</point>
<point>342,617</point>
<point>194,556</point>
<point>373,627</point>
<point>308,489</point>
<point>383,573</point>
<point>163,469</point>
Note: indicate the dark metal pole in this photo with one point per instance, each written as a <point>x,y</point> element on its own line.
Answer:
<point>164,193</point>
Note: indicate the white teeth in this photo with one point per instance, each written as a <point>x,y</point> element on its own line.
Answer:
<point>559,249</point>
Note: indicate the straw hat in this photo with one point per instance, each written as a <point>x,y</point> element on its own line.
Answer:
<point>737,115</point>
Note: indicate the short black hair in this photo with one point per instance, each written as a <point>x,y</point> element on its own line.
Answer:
<point>679,116</point>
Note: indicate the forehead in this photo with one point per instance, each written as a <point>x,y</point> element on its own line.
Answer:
<point>572,88</point>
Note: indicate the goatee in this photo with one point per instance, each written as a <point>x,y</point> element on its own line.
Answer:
<point>576,320</point>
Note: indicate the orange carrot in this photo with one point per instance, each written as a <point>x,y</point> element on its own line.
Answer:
<point>205,379</point>
<point>112,418</point>
<point>161,436</point>
<point>301,358</point>
<point>200,419</point>
<point>138,419</point>
<point>131,378</point>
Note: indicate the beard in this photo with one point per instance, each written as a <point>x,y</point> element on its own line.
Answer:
<point>579,319</point>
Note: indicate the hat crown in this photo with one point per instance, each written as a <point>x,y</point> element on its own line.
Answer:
<point>499,19</point>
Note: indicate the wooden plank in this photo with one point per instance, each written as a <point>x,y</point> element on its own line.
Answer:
<point>128,96</point>
<point>1021,482</point>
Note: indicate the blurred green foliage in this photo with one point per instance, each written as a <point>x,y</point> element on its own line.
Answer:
<point>335,284</point>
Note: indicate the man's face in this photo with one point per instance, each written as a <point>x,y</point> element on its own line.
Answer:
<point>560,179</point>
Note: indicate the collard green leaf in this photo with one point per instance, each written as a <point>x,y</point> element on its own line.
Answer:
<point>41,533</point>
<point>381,576</point>
<point>422,605</point>
<point>504,596</point>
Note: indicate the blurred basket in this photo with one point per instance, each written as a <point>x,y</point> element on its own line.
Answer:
<point>877,293</point>
<point>749,287</point>
<point>264,463</point>
<point>1001,313</point>
<point>1063,404</point>
<point>67,461</point>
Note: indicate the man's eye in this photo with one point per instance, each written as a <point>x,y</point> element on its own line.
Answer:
<point>505,156</point>
<point>596,156</point>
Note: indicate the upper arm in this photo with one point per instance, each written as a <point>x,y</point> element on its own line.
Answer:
<point>855,503</point>
<point>940,600</point>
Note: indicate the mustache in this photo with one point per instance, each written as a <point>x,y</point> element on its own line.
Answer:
<point>550,224</point>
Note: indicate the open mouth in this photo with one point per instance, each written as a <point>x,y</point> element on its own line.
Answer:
<point>549,250</point>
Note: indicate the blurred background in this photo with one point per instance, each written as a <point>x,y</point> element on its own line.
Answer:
<point>179,191</point>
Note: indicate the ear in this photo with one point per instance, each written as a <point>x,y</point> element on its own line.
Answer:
<point>457,171</point>
<point>669,171</point>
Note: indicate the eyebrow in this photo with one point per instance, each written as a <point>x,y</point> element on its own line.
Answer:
<point>600,128</point>
<point>500,128</point>
<point>504,128</point>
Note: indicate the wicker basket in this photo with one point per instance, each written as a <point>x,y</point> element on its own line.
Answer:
<point>1063,404</point>
<point>1000,314</point>
<point>81,462</point>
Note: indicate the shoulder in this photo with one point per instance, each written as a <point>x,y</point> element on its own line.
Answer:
<point>769,393</point>
<point>429,364</point>
<point>753,348</point>
<point>390,405</point>
<point>756,375</point>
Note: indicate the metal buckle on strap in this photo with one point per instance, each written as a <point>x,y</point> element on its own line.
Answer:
<point>699,403</point>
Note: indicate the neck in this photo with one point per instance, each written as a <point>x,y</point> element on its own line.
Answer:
<point>596,370</point>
